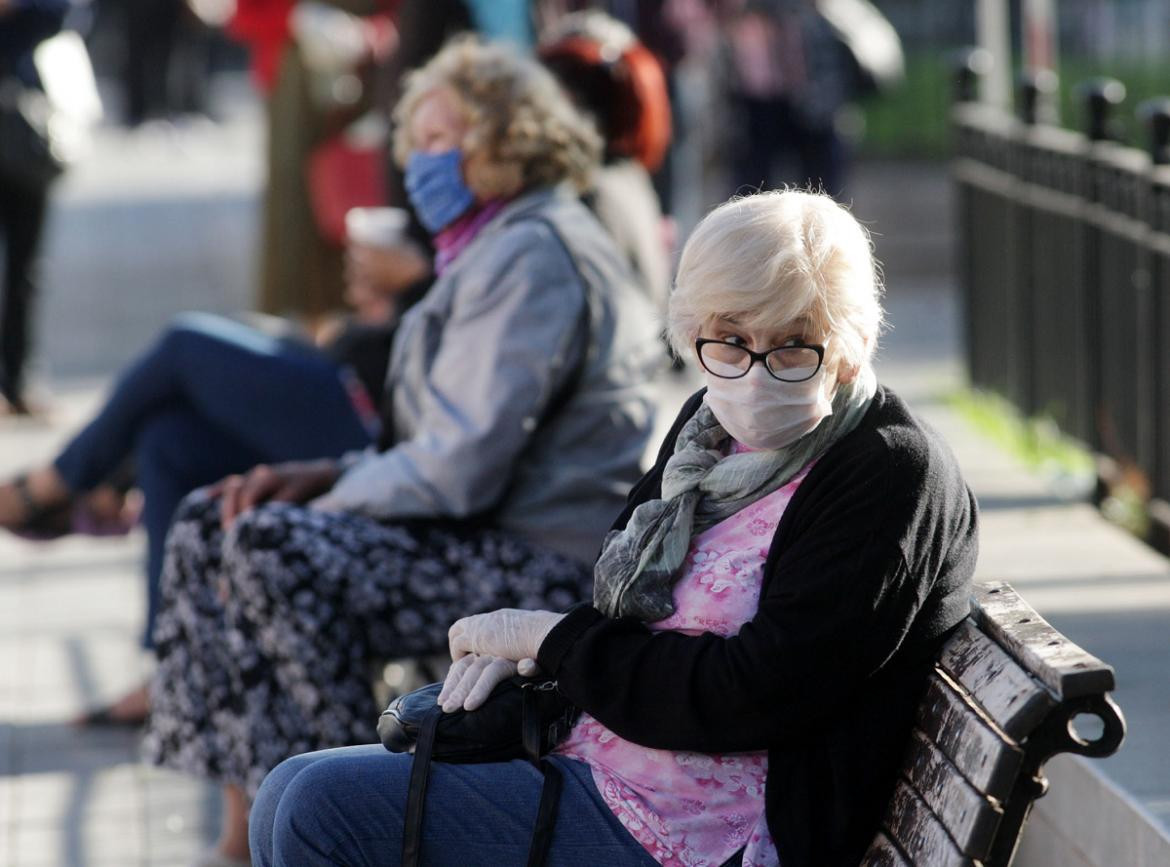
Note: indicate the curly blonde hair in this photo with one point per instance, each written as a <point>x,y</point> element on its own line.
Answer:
<point>520,121</point>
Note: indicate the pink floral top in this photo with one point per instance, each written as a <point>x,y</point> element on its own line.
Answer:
<point>696,808</point>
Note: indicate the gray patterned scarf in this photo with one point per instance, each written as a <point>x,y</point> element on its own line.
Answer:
<point>638,566</point>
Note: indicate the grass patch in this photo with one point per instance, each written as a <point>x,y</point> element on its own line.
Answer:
<point>1037,442</point>
<point>1069,467</point>
<point>911,120</point>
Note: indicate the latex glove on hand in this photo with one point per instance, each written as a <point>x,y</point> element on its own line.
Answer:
<point>510,633</point>
<point>471,680</point>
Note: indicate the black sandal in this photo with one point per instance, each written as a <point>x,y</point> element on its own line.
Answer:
<point>40,522</point>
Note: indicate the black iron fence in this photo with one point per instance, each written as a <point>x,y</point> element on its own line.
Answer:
<point>1065,264</point>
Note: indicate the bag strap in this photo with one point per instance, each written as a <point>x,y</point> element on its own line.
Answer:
<point>550,791</point>
<point>546,814</point>
<point>416,792</point>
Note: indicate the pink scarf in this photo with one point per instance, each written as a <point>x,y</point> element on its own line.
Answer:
<point>454,239</point>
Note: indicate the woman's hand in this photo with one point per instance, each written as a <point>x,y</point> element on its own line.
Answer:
<point>376,276</point>
<point>471,680</point>
<point>292,482</point>
<point>509,633</point>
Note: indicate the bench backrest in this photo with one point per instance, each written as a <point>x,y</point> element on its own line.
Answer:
<point>1000,703</point>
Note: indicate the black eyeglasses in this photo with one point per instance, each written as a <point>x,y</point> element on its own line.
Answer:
<point>791,363</point>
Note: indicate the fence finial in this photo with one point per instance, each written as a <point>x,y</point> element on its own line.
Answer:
<point>970,65</point>
<point>1038,91</point>
<point>1155,114</point>
<point>1099,96</point>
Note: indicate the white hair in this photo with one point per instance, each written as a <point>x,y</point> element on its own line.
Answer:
<point>776,257</point>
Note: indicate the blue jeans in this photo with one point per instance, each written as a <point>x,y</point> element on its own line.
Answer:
<point>212,397</point>
<point>345,806</point>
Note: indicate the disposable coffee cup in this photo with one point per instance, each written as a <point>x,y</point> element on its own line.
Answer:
<point>376,227</point>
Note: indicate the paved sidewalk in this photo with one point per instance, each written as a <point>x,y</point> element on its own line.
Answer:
<point>130,244</point>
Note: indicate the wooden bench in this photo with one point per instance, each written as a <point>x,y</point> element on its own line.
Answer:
<point>1001,702</point>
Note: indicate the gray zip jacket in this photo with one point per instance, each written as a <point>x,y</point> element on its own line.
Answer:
<point>477,365</point>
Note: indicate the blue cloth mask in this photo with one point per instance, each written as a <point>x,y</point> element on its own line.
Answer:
<point>435,186</point>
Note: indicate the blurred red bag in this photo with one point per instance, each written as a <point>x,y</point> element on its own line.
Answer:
<point>346,171</point>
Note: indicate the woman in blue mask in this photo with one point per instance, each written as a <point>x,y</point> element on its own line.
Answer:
<point>520,414</point>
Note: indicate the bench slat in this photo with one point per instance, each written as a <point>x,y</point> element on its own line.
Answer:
<point>883,853</point>
<point>1066,669</point>
<point>981,754</point>
<point>969,817</point>
<point>1015,701</point>
<point>919,833</point>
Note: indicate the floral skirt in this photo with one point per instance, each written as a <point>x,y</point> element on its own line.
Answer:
<point>266,633</point>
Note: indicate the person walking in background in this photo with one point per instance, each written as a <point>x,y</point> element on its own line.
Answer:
<point>308,59</point>
<point>614,79</point>
<point>520,412</point>
<point>789,77</point>
<point>24,197</point>
<point>166,63</point>
<point>658,27</point>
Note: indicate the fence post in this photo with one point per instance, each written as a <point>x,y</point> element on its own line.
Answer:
<point>1155,115</point>
<point>969,65</point>
<point>1038,96</point>
<point>1098,98</point>
<point>1023,352</point>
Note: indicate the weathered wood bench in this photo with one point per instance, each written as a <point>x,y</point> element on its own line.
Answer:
<point>1001,702</point>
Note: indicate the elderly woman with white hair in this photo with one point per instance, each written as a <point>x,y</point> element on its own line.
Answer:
<point>520,415</point>
<point>765,609</point>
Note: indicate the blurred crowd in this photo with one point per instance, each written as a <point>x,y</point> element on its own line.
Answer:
<point>783,74</point>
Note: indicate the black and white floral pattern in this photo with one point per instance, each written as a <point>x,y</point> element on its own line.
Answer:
<point>266,633</point>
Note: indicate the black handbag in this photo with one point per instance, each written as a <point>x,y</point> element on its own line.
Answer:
<point>524,718</point>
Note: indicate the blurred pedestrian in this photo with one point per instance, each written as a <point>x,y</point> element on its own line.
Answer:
<point>167,60</point>
<point>659,27</point>
<point>790,76</point>
<point>311,60</point>
<point>24,191</point>
<point>613,78</point>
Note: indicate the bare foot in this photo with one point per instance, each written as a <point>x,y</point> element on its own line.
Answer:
<point>233,832</point>
<point>108,510</point>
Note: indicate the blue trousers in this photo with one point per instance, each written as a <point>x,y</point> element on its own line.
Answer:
<point>212,397</point>
<point>346,806</point>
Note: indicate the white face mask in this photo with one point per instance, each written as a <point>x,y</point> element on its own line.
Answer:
<point>762,412</point>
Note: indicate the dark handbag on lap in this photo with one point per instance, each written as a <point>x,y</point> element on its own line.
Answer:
<point>524,718</point>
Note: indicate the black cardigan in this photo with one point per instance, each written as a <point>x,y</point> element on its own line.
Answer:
<point>869,569</point>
